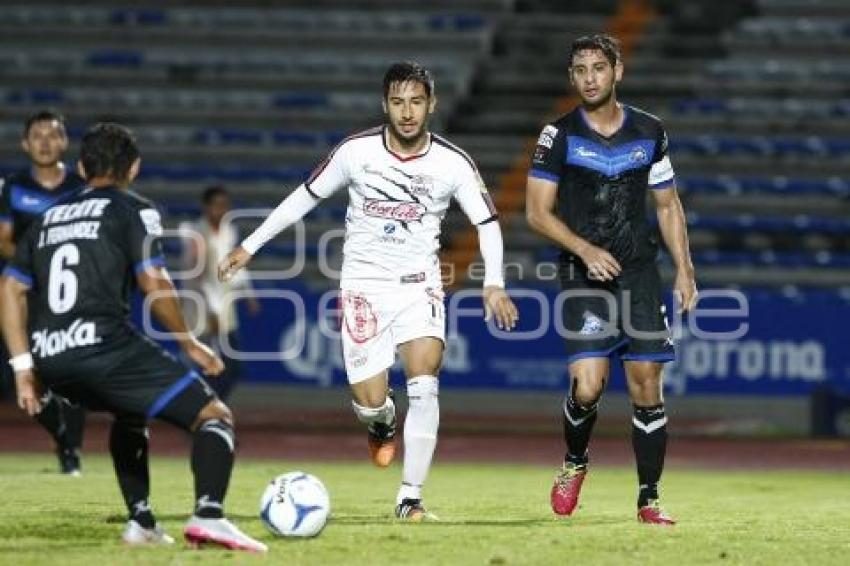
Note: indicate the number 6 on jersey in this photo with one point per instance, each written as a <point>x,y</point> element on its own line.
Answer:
<point>62,283</point>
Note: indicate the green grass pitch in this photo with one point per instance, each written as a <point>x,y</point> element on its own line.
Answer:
<point>490,514</point>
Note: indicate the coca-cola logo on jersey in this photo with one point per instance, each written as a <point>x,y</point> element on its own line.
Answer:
<point>394,210</point>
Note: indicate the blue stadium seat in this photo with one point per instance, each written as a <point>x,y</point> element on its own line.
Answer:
<point>725,184</point>
<point>301,100</point>
<point>139,16</point>
<point>116,58</point>
<point>204,173</point>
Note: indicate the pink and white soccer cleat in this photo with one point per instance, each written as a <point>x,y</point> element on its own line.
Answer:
<point>222,532</point>
<point>653,514</point>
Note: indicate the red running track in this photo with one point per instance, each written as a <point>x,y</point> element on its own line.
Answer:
<point>263,436</point>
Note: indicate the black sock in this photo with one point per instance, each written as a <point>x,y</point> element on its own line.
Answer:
<point>52,419</point>
<point>75,419</point>
<point>212,462</point>
<point>649,439</point>
<point>578,424</point>
<point>128,445</point>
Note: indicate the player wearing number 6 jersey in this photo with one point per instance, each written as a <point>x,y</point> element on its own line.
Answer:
<point>66,324</point>
<point>400,180</point>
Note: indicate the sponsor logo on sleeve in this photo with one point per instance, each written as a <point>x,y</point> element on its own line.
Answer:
<point>547,136</point>
<point>152,221</point>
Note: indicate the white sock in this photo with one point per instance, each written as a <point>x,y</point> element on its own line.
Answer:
<point>420,434</point>
<point>385,414</point>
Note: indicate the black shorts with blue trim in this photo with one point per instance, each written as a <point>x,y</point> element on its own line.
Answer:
<point>625,317</point>
<point>133,376</point>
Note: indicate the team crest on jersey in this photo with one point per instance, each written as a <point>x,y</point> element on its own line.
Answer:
<point>638,155</point>
<point>358,317</point>
<point>547,136</point>
<point>422,185</point>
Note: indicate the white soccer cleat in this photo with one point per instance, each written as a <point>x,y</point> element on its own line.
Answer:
<point>135,534</point>
<point>200,531</point>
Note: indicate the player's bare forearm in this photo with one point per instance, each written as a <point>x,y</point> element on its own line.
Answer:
<point>674,231</point>
<point>540,206</point>
<point>155,283</point>
<point>13,316</point>
<point>7,244</point>
<point>539,211</point>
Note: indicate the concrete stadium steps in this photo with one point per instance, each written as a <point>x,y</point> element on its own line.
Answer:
<point>43,79</point>
<point>129,8</point>
<point>205,112</point>
<point>90,37</point>
<point>348,120</point>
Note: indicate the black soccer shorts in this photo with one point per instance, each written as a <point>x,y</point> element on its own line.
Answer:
<point>625,317</point>
<point>133,376</point>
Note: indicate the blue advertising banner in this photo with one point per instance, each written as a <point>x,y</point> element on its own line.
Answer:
<point>738,342</point>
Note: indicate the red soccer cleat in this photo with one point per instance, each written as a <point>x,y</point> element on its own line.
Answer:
<point>566,489</point>
<point>653,514</point>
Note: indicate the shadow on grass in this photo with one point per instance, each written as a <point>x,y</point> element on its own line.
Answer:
<point>447,522</point>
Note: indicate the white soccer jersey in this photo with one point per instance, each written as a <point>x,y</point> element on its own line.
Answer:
<point>396,204</point>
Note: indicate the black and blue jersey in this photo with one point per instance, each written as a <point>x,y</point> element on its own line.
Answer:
<point>603,181</point>
<point>79,260</point>
<point>23,199</point>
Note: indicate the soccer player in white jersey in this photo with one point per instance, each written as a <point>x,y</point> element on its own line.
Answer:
<point>400,180</point>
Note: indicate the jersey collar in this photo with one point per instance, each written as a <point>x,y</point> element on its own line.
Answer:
<point>626,116</point>
<point>404,158</point>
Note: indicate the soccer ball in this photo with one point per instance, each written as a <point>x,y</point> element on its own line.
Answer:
<point>295,504</point>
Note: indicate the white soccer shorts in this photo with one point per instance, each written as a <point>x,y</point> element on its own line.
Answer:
<point>375,320</point>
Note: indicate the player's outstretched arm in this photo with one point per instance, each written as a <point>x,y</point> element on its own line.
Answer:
<point>539,211</point>
<point>161,295</point>
<point>13,320</point>
<point>674,230</point>
<point>497,303</point>
<point>235,260</point>
<point>291,210</point>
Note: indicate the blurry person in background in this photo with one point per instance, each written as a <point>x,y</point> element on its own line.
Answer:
<point>24,196</point>
<point>208,240</point>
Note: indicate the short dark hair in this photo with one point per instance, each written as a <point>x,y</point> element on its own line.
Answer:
<point>608,45</point>
<point>408,71</point>
<point>46,115</point>
<point>213,191</point>
<point>108,149</point>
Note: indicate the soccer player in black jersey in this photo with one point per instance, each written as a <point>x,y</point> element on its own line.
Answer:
<point>24,195</point>
<point>587,188</point>
<point>66,324</point>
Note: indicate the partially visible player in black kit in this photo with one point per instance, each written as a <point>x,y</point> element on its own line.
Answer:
<point>24,195</point>
<point>67,288</point>
<point>587,190</point>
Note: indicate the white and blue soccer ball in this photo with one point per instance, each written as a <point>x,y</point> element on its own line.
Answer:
<point>295,504</point>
